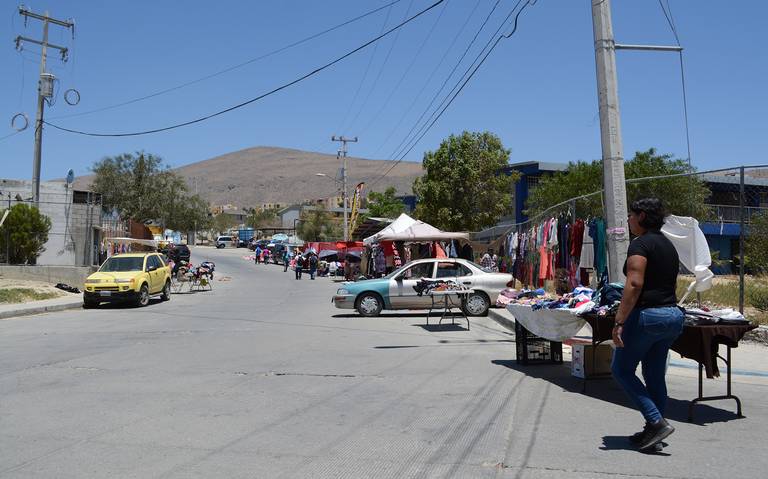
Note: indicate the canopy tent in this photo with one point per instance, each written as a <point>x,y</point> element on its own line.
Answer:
<point>406,228</point>
<point>328,253</point>
<point>400,224</point>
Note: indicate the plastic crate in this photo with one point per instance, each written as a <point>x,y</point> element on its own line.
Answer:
<point>532,349</point>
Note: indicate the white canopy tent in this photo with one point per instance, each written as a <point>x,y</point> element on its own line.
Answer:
<point>399,225</point>
<point>405,228</point>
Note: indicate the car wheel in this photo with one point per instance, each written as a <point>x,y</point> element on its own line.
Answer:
<point>369,304</point>
<point>143,298</point>
<point>88,304</point>
<point>219,246</point>
<point>477,304</point>
<point>166,294</point>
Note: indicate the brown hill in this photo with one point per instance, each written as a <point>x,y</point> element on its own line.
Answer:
<point>266,174</point>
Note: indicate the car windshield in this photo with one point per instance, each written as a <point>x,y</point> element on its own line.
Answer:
<point>117,264</point>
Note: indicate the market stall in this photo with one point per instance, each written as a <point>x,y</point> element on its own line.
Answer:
<point>407,239</point>
<point>559,318</point>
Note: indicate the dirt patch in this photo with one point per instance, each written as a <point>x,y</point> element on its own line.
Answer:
<point>23,291</point>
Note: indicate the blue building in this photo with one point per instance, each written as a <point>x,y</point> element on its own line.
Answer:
<point>722,233</point>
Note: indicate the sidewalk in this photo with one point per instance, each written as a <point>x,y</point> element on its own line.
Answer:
<point>70,301</point>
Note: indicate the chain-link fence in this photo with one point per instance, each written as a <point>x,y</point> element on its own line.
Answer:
<point>731,206</point>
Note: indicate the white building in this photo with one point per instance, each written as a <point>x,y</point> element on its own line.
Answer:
<point>75,220</point>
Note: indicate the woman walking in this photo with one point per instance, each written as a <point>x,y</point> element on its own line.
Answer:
<point>648,320</point>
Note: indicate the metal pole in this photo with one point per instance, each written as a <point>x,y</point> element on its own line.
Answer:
<point>610,138</point>
<point>39,121</point>
<point>741,239</point>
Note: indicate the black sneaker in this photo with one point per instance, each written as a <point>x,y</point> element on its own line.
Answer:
<point>654,433</point>
<point>638,436</point>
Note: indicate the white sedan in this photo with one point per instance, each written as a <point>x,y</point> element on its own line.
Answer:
<point>395,291</point>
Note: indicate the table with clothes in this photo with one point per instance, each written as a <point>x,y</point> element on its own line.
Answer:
<point>559,319</point>
<point>442,293</point>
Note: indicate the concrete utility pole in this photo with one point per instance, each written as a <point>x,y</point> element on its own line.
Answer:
<point>44,88</point>
<point>614,181</point>
<point>344,140</point>
<point>610,138</point>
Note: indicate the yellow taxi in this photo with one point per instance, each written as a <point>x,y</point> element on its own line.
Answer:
<point>130,277</point>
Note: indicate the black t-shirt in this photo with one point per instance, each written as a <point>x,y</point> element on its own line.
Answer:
<point>660,271</point>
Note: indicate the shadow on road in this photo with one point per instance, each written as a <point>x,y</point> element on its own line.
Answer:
<point>621,443</point>
<point>609,391</point>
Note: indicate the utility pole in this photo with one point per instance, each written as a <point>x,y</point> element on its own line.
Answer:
<point>610,138</point>
<point>344,140</point>
<point>614,181</point>
<point>44,87</point>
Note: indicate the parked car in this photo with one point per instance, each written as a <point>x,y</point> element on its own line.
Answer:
<point>225,242</point>
<point>395,291</point>
<point>132,277</point>
<point>179,252</point>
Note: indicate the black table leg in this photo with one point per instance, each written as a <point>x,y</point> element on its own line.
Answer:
<point>729,394</point>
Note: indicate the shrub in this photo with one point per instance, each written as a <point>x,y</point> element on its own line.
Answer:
<point>759,299</point>
<point>27,232</point>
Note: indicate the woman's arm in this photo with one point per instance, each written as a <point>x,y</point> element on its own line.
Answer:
<point>634,285</point>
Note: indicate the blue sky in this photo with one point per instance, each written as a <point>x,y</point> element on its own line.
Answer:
<point>536,91</point>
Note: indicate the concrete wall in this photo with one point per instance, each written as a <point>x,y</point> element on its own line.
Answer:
<point>74,227</point>
<point>71,275</point>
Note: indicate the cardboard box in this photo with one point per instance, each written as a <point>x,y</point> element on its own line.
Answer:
<point>581,360</point>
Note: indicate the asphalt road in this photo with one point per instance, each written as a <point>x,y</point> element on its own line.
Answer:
<point>263,378</point>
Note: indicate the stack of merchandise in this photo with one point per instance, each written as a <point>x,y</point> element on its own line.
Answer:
<point>579,301</point>
<point>700,316</point>
<point>426,286</point>
<point>523,297</point>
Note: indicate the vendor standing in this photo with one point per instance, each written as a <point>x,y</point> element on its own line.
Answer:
<point>648,320</point>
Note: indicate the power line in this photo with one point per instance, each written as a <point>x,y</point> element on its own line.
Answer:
<point>493,46</point>
<point>376,115</point>
<point>234,67</point>
<point>671,22</point>
<point>264,95</point>
<point>365,74</point>
<point>445,82</point>
<point>381,70</point>
<point>431,75</point>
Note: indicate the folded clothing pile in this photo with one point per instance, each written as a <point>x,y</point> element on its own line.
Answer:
<point>697,317</point>
<point>426,286</point>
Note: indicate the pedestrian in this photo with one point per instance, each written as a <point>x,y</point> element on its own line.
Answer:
<point>487,261</point>
<point>648,320</point>
<point>332,267</point>
<point>257,254</point>
<point>299,265</point>
<point>286,259</point>
<point>267,254</point>
<point>261,256</point>
<point>312,266</point>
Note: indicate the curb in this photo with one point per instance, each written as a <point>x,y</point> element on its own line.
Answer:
<point>503,317</point>
<point>41,309</point>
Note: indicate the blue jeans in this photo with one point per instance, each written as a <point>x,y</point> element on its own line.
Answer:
<point>647,335</point>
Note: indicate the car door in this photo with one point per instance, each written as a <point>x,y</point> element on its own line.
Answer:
<point>154,273</point>
<point>455,271</point>
<point>401,292</point>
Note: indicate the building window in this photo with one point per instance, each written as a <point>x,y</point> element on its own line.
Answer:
<point>532,182</point>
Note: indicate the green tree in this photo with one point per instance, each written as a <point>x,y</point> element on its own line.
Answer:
<point>27,231</point>
<point>316,224</point>
<point>463,188</point>
<point>222,222</point>
<point>384,205</point>
<point>681,195</point>
<point>140,187</point>
<point>262,218</point>
<point>756,247</point>
<point>134,185</point>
